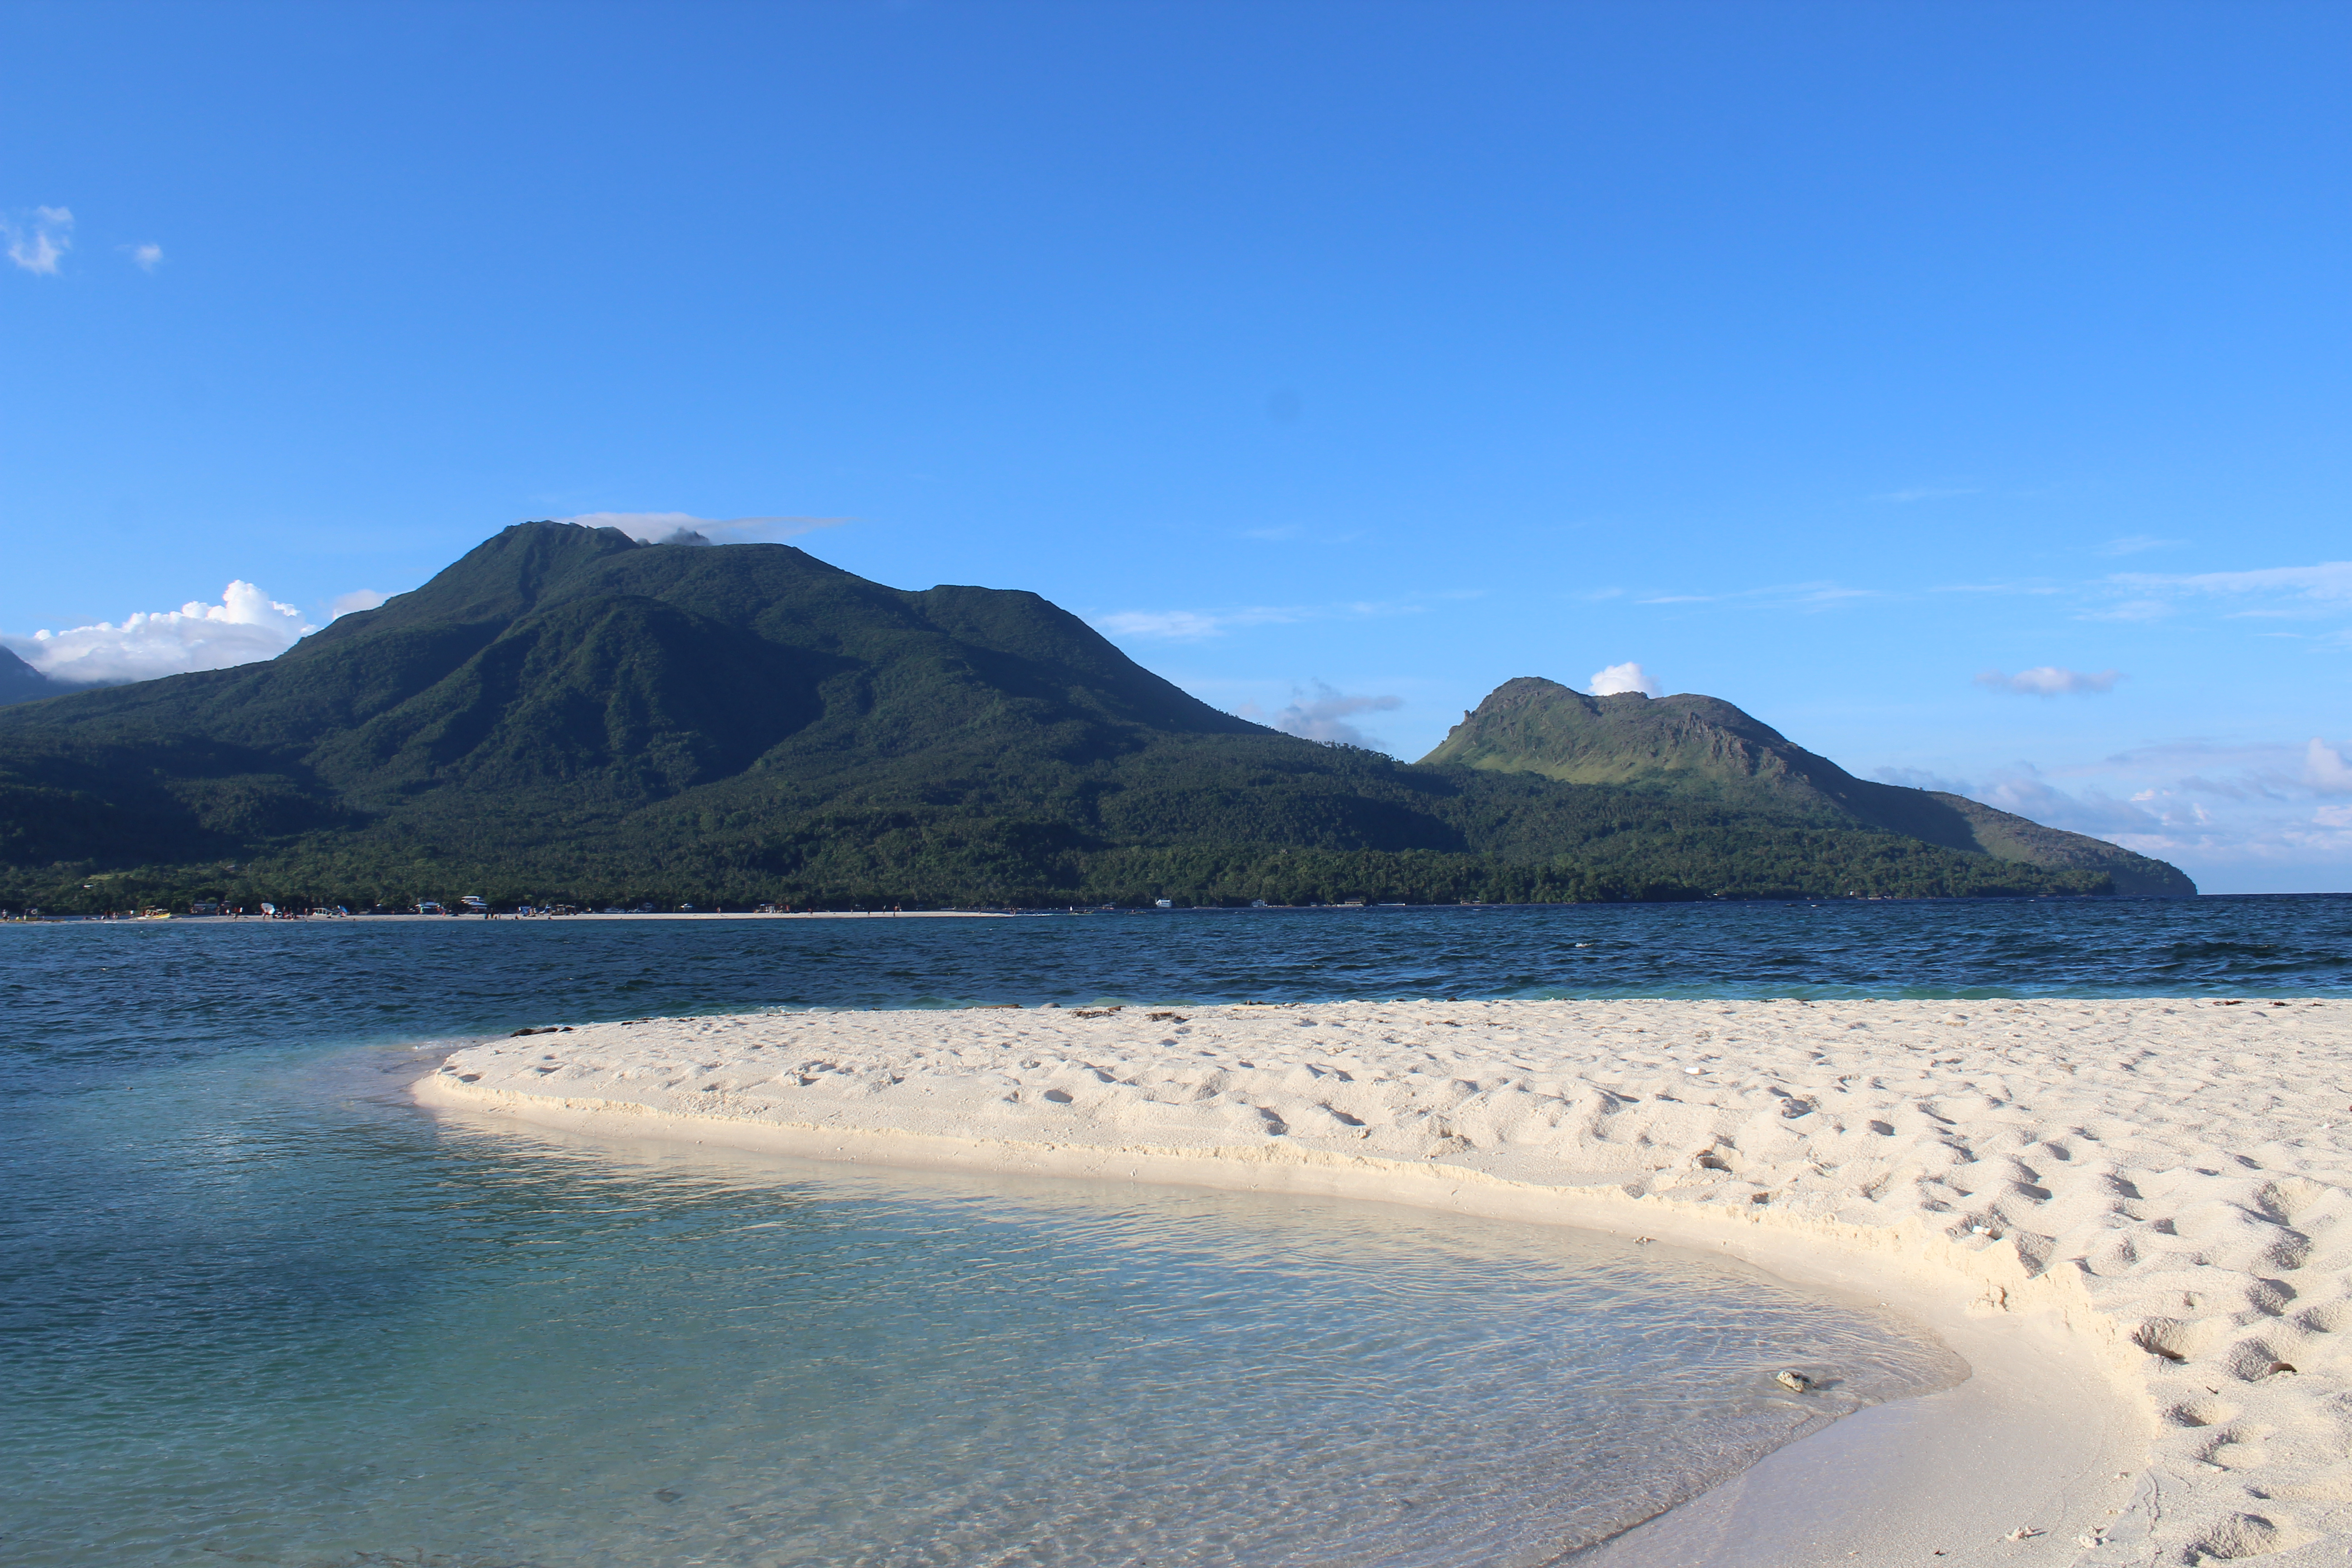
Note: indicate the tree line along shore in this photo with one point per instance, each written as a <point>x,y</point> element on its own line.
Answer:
<point>568,716</point>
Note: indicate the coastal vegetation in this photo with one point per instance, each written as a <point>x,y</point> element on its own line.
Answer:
<point>566,715</point>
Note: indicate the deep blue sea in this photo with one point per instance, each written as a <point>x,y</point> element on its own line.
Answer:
<point>255,1307</point>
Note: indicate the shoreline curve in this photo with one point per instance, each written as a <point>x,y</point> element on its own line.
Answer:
<point>1685,1122</point>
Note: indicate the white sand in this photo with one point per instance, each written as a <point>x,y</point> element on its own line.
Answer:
<point>2125,1216</point>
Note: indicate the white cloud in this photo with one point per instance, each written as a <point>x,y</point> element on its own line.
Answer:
<point>2134,544</point>
<point>2049,680</point>
<point>1324,716</point>
<point>1623,678</point>
<point>1780,596</point>
<point>1920,493</point>
<point>1290,533</point>
<point>1179,625</point>
<point>2325,583</point>
<point>2022,790</point>
<point>685,528</point>
<point>2324,769</point>
<point>358,599</point>
<point>1920,778</point>
<point>1192,625</point>
<point>37,244</point>
<point>246,625</point>
<point>2131,610</point>
<point>2025,790</point>
<point>2169,753</point>
<point>1820,595</point>
<point>2240,816</point>
<point>147,257</point>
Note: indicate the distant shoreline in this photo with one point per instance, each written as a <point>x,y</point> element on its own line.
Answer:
<point>390,919</point>
<point>1483,906</point>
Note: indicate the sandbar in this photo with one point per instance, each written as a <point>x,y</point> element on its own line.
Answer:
<point>2125,1215</point>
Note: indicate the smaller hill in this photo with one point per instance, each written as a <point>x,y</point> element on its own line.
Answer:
<point>1703,748</point>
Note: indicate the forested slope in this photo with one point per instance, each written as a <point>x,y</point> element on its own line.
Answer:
<point>568,714</point>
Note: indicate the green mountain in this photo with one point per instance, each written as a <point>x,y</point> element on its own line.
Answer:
<point>1701,748</point>
<point>568,714</point>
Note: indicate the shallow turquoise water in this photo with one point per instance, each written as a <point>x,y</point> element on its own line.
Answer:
<point>255,1307</point>
<point>311,1325</point>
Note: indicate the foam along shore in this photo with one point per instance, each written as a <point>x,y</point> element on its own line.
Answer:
<point>2127,1216</point>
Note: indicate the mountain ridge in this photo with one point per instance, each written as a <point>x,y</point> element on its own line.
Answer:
<point>568,712</point>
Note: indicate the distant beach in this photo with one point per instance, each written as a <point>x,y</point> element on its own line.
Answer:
<point>331,917</point>
<point>2122,1214</point>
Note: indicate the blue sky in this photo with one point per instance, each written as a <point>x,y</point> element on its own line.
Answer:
<point>1959,388</point>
